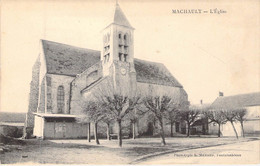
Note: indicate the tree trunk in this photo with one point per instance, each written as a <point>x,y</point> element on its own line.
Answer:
<point>171,129</point>
<point>119,136</point>
<point>95,134</point>
<point>108,132</point>
<point>133,125</point>
<point>188,133</point>
<point>89,136</point>
<point>234,128</point>
<point>162,133</point>
<point>242,127</point>
<point>218,129</point>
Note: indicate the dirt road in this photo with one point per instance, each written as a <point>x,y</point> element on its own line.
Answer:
<point>239,153</point>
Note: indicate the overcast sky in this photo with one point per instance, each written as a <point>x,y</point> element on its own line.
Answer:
<point>207,53</point>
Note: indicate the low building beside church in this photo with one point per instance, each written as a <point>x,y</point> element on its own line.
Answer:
<point>64,76</point>
<point>250,102</point>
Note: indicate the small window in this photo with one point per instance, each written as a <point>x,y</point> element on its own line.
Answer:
<point>120,56</point>
<point>108,55</point>
<point>48,79</point>
<point>126,49</point>
<point>105,58</point>
<point>60,99</point>
<point>119,36</point>
<point>125,57</point>
<point>126,39</point>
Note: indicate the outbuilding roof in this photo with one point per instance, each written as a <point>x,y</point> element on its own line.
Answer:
<point>69,60</point>
<point>237,101</point>
<point>50,115</point>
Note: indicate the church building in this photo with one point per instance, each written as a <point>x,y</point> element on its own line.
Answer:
<point>63,76</point>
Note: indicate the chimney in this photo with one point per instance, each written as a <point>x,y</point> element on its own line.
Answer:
<point>201,102</point>
<point>221,94</point>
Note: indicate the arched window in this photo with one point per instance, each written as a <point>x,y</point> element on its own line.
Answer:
<point>60,99</point>
<point>119,35</point>
<point>126,39</point>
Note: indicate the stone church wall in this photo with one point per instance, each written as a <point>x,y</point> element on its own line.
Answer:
<point>82,81</point>
<point>53,81</point>
<point>148,121</point>
<point>33,97</point>
<point>41,107</point>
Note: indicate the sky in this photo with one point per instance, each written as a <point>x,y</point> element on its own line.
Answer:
<point>207,53</point>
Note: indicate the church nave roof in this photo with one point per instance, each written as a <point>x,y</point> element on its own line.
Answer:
<point>69,60</point>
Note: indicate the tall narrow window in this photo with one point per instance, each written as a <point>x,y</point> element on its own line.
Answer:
<point>120,57</point>
<point>126,39</point>
<point>60,99</point>
<point>108,55</point>
<point>105,58</point>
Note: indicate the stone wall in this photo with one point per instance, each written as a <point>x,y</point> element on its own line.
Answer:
<point>33,95</point>
<point>81,82</point>
<point>148,120</point>
<point>53,81</point>
<point>41,107</point>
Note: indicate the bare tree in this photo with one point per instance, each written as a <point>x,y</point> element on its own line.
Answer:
<point>240,116</point>
<point>230,115</point>
<point>173,115</point>
<point>159,106</point>
<point>215,116</point>
<point>190,115</point>
<point>119,106</point>
<point>93,111</point>
<point>173,118</point>
<point>117,103</point>
<point>108,119</point>
<point>133,116</point>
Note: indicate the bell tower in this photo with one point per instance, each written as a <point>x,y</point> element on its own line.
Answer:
<point>118,49</point>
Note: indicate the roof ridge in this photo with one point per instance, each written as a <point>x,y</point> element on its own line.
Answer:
<point>149,61</point>
<point>69,60</point>
<point>242,94</point>
<point>83,48</point>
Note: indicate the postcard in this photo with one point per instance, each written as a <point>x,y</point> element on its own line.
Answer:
<point>130,82</point>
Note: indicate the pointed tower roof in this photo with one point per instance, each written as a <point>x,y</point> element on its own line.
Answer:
<point>120,18</point>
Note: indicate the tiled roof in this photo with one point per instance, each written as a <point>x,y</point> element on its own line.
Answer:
<point>11,124</point>
<point>200,106</point>
<point>55,115</point>
<point>237,101</point>
<point>69,60</point>
<point>155,73</point>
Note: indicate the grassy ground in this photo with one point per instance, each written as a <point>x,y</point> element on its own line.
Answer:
<point>108,152</point>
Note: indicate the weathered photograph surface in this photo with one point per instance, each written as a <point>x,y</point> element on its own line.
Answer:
<point>130,82</point>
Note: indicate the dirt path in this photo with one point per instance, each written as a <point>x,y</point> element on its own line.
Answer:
<point>239,153</point>
<point>108,152</point>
